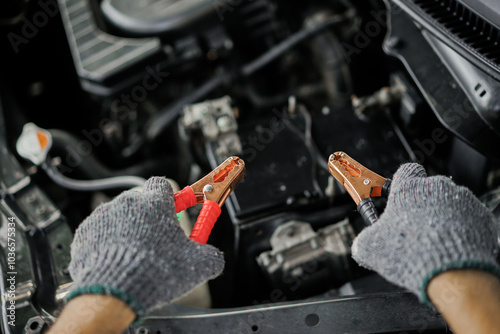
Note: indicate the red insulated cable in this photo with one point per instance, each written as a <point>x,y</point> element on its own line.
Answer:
<point>205,222</point>
<point>184,199</point>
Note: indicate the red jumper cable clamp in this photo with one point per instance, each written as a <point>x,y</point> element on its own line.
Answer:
<point>360,182</point>
<point>212,191</point>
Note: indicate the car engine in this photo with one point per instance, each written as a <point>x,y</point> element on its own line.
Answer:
<point>132,89</point>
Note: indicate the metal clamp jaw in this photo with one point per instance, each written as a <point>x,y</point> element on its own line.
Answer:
<point>217,185</point>
<point>212,190</point>
<point>360,182</point>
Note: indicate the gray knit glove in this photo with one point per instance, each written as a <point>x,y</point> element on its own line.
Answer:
<point>430,225</point>
<point>134,249</point>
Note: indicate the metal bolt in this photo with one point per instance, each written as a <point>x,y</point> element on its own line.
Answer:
<point>65,269</point>
<point>224,123</point>
<point>366,182</point>
<point>394,43</point>
<point>32,199</point>
<point>228,44</point>
<point>34,325</point>
<point>208,188</point>
<point>292,104</point>
<point>40,210</point>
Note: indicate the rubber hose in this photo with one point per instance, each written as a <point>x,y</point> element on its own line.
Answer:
<point>117,182</point>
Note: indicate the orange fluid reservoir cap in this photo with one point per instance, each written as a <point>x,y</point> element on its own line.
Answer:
<point>34,143</point>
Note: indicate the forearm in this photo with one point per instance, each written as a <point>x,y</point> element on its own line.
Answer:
<point>468,299</point>
<point>94,314</point>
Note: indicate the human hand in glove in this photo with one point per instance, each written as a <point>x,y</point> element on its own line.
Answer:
<point>133,249</point>
<point>431,226</point>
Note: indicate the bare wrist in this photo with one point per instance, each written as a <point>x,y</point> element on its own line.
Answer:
<point>468,299</point>
<point>94,314</point>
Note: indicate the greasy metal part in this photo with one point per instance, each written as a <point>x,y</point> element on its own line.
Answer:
<point>318,260</point>
<point>23,293</point>
<point>366,106</point>
<point>217,121</point>
<point>290,234</point>
<point>35,325</point>
<point>359,181</point>
<point>218,184</point>
<point>59,238</point>
<point>214,117</point>
<point>37,206</point>
<point>62,292</point>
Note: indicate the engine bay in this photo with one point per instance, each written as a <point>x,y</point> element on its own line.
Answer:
<point>173,88</point>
